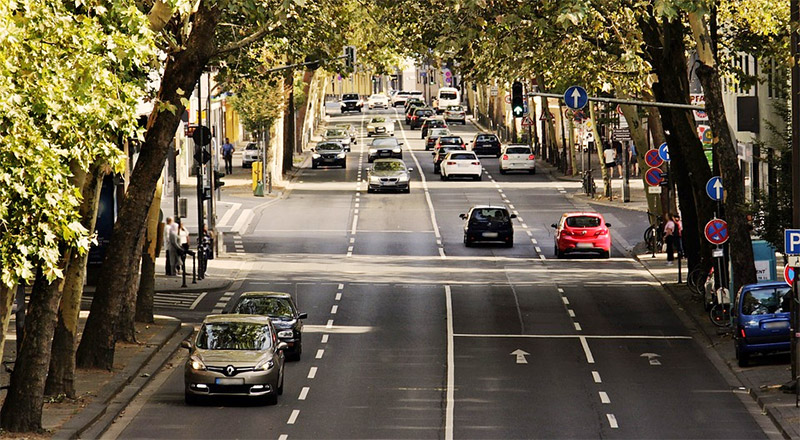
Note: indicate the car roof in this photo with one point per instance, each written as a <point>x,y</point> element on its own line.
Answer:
<point>489,207</point>
<point>236,317</point>
<point>517,145</point>
<point>266,294</point>
<point>576,213</point>
<point>768,285</point>
<point>393,159</point>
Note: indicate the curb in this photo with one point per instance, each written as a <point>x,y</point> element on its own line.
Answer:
<point>117,395</point>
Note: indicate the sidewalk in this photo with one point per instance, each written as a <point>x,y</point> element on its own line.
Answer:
<point>103,395</point>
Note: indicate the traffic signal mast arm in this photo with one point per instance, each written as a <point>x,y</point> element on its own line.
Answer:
<point>624,101</point>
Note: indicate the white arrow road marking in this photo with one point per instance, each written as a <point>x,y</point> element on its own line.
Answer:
<point>520,354</point>
<point>652,358</point>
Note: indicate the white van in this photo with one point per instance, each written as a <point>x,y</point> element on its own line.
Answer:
<point>447,96</point>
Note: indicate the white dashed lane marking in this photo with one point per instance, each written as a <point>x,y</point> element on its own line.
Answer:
<point>612,421</point>
<point>303,393</point>
<point>604,397</point>
<point>312,372</point>
<point>324,339</point>
<point>596,377</point>
<point>320,353</point>
<point>293,417</point>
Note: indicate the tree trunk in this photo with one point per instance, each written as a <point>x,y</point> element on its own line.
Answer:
<point>639,136</point>
<point>599,147</point>
<point>61,376</point>
<point>182,71</point>
<point>288,133</point>
<point>7,295</point>
<point>665,49</point>
<point>126,324</point>
<point>22,409</point>
<point>740,244</point>
<point>147,281</point>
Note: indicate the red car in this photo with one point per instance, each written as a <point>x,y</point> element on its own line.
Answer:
<point>582,232</point>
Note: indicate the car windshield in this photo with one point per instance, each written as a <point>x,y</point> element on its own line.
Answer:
<point>415,93</point>
<point>445,148</point>
<point>334,133</point>
<point>344,127</point>
<point>376,97</point>
<point>440,132</point>
<point>454,108</point>
<point>490,214</point>
<point>384,142</point>
<point>424,113</point>
<point>272,307</point>
<point>329,147</point>
<point>462,156</point>
<point>377,120</point>
<point>766,301</point>
<point>349,96</point>
<point>583,221</point>
<point>251,147</point>
<point>487,138</point>
<point>518,150</point>
<point>447,95</point>
<point>389,166</point>
<point>450,140</point>
<point>234,336</point>
<point>435,123</point>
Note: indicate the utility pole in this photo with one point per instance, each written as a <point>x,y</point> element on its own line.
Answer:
<point>794,9</point>
<point>199,154</point>
<point>212,166</point>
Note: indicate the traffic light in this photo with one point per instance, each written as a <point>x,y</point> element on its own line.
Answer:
<point>517,99</point>
<point>202,156</point>
<point>218,183</point>
<point>350,56</point>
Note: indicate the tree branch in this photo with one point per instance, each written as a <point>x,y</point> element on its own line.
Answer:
<point>236,45</point>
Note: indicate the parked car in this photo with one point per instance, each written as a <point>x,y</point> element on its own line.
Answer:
<point>433,135</point>
<point>460,164</point>
<point>488,223</point>
<point>349,129</point>
<point>328,154</point>
<point>455,113</point>
<point>430,123</point>
<point>486,144</point>
<point>338,136</point>
<point>234,355</point>
<point>440,154</point>
<point>582,232</point>
<point>517,158</point>
<point>389,175</point>
<point>282,311</point>
<point>380,126</point>
<point>384,147</point>
<point>351,102</point>
<point>761,320</point>
<point>251,154</point>
<point>419,116</point>
<point>378,100</point>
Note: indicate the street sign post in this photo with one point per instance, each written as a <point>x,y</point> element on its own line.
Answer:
<point>716,231</point>
<point>714,188</point>
<point>663,152</point>
<point>653,158</point>
<point>576,97</point>
<point>654,177</point>
<point>792,242</point>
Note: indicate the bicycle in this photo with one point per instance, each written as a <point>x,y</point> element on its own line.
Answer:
<point>720,312</point>
<point>654,231</point>
<point>696,280</point>
<point>589,187</point>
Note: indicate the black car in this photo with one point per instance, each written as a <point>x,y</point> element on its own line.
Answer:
<point>419,116</point>
<point>413,101</point>
<point>282,312</point>
<point>411,109</point>
<point>432,123</point>
<point>486,143</point>
<point>385,147</point>
<point>351,102</point>
<point>329,154</point>
<point>488,223</point>
<point>441,152</point>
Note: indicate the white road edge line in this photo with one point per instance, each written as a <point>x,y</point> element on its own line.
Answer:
<point>293,417</point>
<point>448,414</point>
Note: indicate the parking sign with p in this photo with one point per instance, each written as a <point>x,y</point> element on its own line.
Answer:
<point>792,242</point>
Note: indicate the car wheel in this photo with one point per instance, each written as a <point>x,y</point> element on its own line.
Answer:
<point>605,254</point>
<point>442,176</point>
<point>479,177</point>
<point>467,241</point>
<point>407,190</point>
<point>742,357</point>
<point>510,243</point>
<point>271,398</point>
<point>369,135</point>
<point>559,255</point>
<point>533,171</point>
<point>344,165</point>
<point>370,190</point>
<point>313,165</point>
<point>502,171</point>
<point>192,399</point>
<point>280,386</point>
<point>369,160</point>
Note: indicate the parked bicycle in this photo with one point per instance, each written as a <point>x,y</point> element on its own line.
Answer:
<point>654,235</point>
<point>696,280</point>
<point>589,187</point>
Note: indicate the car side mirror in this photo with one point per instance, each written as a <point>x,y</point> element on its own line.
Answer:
<point>462,216</point>
<point>513,216</point>
<point>608,225</point>
<point>368,169</point>
<point>282,346</point>
<point>186,344</point>
<point>410,170</point>
<point>553,225</point>
<point>400,143</point>
<point>302,316</point>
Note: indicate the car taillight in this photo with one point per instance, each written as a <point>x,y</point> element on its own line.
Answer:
<point>566,232</point>
<point>450,162</point>
<point>601,232</point>
<point>531,157</point>
<point>463,146</point>
<point>505,157</point>
<point>741,329</point>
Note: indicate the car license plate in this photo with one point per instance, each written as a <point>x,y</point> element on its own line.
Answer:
<point>463,164</point>
<point>380,129</point>
<point>777,324</point>
<point>584,245</point>
<point>229,381</point>
<point>490,234</point>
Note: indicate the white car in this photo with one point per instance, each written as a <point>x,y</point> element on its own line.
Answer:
<point>250,154</point>
<point>455,113</point>
<point>402,96</point>
<point>378,101</point>
<point>380,126</point>
<point>517,158</point>
<point>461,164</point>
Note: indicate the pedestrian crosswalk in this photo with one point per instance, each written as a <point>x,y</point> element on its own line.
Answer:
<point>169,300</point>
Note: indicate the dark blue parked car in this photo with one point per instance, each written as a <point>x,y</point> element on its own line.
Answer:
<point>761,320</point>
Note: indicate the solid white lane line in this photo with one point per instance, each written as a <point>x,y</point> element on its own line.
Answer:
<point>293,417</point>
<point>604,397</point>
<point>329,324</point>
<point>448,417</point>
<point>338,296</point>
<point>303,393</point>
<point>324,339</point>
<point>596,377</point>
<point>341,286</point>
<point>578,327</point>
<point>334,309</point>
<point>312,373</point>
<point>197,300</point>
<point>355,225</point>
<point>612,421</point>
<point>586,350</point>
<point>564,300</point>
<point>320,352</point>
<point>571,313</point>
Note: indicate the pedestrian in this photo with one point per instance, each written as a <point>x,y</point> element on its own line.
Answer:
<point>678,234</point>
<point>610,160</point>
<point>227,154</point>
<point>167,228</point>
<point>618,157</point>
<point>175,249</point>
<point>669,238</point>
<point>633,160</point>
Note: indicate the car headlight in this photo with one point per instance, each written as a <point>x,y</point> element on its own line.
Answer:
<point>196,363</point>
<point>285,334</point>
<point>373,150</point>
<point>403,178</point>
<point>315,156</point>
<point>340,155</point>
<point>374,179</point>
<point>396,150</point>
<point>265,365</point>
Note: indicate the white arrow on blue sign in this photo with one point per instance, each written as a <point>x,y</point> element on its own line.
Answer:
<point>576,97</point>
<point>792,242</point>
<point>714,188</point>
<point>663,152</point>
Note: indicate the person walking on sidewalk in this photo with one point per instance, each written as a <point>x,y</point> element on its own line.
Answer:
<point>678,234</point>
<point>618,157</point>
<point>175,249</point>
<point>610,160</point>
<point>227,154</point>
<point>633,161</point>
<point>167,227</point>
<point>669,237</point>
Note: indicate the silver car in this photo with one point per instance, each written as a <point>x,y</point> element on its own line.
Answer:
<point>338,136</point>
<point>389,175</point>
<point>234,355</point>
<point>251,154</point>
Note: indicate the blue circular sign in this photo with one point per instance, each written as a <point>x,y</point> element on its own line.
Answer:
<point>653,158</point>
<point>716,231</point>
<point>654,176</point>
<point>576,97</point>
<point>663,152</point>
<point>714,188</point>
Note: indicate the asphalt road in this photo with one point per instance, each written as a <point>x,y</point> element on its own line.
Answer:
<point>412,335</point>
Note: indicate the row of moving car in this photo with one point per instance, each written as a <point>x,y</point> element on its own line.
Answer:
<point>243,353</point>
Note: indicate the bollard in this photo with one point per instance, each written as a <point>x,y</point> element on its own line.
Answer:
<point>183,264</point>
<point>194,271</point>
<point>680,280</point>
